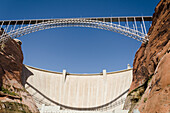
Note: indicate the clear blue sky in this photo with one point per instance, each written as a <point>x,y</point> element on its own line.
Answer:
<point>78,50</point>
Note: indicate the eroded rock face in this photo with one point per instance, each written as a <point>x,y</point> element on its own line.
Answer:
<point>157,95</point>
<point>11,89</point>
<point>151,67</point>
<point>149,55</point>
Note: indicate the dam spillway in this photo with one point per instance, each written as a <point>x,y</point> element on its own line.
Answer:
<point>102,91</point>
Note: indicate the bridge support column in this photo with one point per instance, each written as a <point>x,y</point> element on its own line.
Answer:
<point>144,26</point>
<point>128,66</point>
<point>104,86</point>
<point>64,75</point>
<point>104,75</point>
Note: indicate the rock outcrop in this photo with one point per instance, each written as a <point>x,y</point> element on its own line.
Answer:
<point>13,96</point>
<point>150,88</point>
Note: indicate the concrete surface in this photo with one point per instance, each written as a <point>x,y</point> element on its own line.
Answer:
<point>103,91</point>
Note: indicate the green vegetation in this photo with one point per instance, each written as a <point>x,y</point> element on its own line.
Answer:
<point>13,107</point>
<point>145,99</point>
<point>20,98</point>
<point>2,46</point>
<point>150,78</point>
<point>17,89</point>
<point>136,89</point>
<point>6,91</point>
<point>137,93</point>
<point>143,86</point>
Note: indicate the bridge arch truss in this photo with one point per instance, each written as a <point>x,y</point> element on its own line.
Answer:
<point>133,27</point>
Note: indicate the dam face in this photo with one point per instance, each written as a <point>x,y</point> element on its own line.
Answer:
<point>86,92</point>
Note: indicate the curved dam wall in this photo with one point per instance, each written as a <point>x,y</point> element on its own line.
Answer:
<point>77,91</point>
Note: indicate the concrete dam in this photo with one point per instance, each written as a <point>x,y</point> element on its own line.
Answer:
<point>105,91</point>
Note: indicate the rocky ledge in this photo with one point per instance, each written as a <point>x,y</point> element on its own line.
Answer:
<point>12,93</point>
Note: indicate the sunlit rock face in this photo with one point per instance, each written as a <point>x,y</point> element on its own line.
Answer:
<point>13,96</point>
<point>150,87</point>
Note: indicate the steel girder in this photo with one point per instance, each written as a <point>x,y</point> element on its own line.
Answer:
<point>77,22</point>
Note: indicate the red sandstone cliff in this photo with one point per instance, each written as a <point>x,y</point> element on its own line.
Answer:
<point>13,96</point>
<point>150,88</point>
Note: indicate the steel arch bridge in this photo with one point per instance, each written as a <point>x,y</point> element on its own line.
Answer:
<point>133,27</point>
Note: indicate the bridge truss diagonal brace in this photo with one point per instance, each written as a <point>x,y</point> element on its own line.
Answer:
<point>19,28</point>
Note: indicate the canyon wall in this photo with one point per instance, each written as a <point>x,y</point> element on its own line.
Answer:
<point>150,88</point>
<point>13,96</point>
